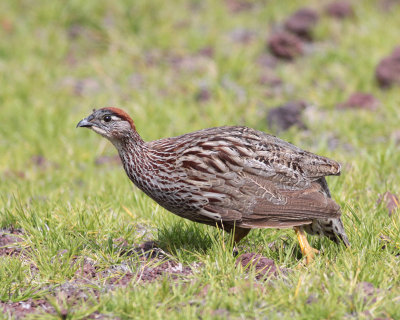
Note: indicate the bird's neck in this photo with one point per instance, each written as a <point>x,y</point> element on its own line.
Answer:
<point>133,151</point>
<point>128,142</point>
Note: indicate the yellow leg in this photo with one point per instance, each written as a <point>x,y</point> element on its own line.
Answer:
<point>307,251</point>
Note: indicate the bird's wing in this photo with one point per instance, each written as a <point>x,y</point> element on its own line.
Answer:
<point>246,173</point>
<point>256,202</point>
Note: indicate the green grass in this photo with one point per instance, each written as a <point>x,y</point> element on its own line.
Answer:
<point>60,59</point>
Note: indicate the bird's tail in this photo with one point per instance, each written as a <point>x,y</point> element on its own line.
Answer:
<point>339,234</point>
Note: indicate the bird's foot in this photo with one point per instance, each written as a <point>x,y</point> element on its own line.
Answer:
<point>307,251</point>
<point>310,253</point>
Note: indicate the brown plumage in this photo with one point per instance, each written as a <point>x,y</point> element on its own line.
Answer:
<point>234,177</point>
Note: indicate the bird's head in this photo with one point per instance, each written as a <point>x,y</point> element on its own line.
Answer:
<point>112,123</point>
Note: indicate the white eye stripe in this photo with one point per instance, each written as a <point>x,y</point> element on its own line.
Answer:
<point>115,118</point>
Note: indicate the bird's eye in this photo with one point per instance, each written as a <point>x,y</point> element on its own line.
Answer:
<point>107,118</point>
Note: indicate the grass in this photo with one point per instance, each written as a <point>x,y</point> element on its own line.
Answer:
<point>60,59</point>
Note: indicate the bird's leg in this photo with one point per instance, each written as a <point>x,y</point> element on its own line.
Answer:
<point>307,251</point>
<point>239,234</point>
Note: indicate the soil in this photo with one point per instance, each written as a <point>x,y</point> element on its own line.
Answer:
<point>283,117</point>
<point>339,9</point>
<point>360,100</point>
<point>263,266</point>
<point>391,202</point>
<point>387,72</point>
<point>285,45</point>
<point>9,239</point>
<point>302,23</point>
<point>149,263</point>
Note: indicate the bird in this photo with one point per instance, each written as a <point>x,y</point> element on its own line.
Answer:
<point>231,177</point>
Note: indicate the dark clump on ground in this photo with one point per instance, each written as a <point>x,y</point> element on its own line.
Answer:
<point>203,94</point>
<point>9,239</point>
<point>285,45</point>
<point>267,61</point>
<point>263,266</point>
<point>339,9</point>
<point>302,23</point>
<point>113,160</point>
<point>21,309</point>
<point>286,116</point>
<point>170,268</point>
<point>236,6</point>
<point>390,201</point>
<point>368,291</point>
<point>360,100</point>
<point>149,264</point>
<point>387,72</point>
<point>387,5</point>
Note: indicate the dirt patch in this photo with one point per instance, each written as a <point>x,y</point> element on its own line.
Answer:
<point>283,117</point>
<point>81,87</point>
<point>360,100</point>
<point>387,72</point>
<point>203,93</point>
<point>241,35</point>
<point>302,22</point>
<point>368,291</point>
<point>9,239</point>
<point>108,160</point>
<point>236,6</point>
<point>267,61</point>
<point>19,310</point>
<point>339,10</point>
<point>387,5</point>
<point>263,266</point>
<point>285,45</point>
<point>168,268</point>
<point>396,137</point>
<point>148,263</point>
<point>390,201</point>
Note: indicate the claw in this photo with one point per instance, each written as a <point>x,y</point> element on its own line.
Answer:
<point>307,251</point>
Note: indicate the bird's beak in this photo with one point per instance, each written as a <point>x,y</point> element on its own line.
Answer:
<point>84,123</point>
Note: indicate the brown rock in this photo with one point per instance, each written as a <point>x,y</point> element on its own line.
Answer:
<point>339,9</point>
<point>285,45</point>
<point>360,100</point>
<point>302,23</point>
